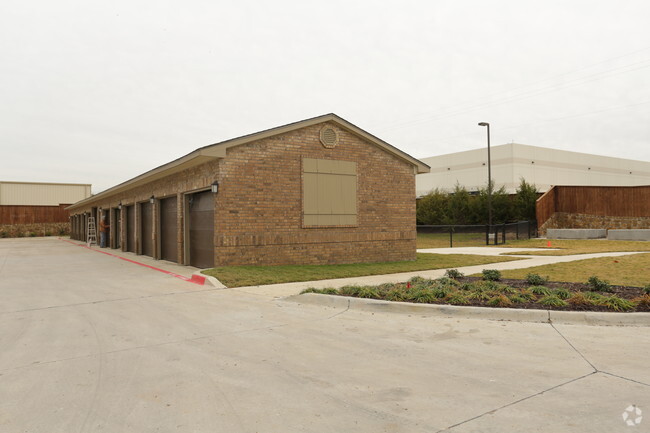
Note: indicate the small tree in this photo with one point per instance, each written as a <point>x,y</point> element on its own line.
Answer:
<point>459,206</point>
<point>432,208</point>
<point>525,200</point>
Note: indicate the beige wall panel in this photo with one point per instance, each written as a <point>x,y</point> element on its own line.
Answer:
<point>41,194</point>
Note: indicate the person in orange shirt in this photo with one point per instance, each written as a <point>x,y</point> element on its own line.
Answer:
<point>104,227</point>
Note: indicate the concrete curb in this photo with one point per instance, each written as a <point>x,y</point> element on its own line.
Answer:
<point>500,314</point>
<point>209,280</point>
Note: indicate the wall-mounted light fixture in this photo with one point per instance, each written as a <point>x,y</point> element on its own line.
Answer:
<point>151,199</point>
<point>119,206</point>
<point>215,187</point>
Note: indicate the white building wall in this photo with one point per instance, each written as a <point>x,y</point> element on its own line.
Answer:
<point>542,166</point>
<point>42,194</point>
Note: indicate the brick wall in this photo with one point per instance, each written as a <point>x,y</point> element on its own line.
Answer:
<point>258,210</point>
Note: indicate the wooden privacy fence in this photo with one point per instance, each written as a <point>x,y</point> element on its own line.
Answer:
<point>12,214</point>
<point>614,201</point>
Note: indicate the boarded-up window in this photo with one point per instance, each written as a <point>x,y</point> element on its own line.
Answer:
<point>329,192</point>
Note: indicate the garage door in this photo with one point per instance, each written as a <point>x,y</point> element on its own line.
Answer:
<point>130,228</point>
<point>146,224</point>
<point>169,229</point>
<point>201,228</point>
<point>116,227</point>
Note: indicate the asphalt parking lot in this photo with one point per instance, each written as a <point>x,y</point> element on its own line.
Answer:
<point>91,343</point>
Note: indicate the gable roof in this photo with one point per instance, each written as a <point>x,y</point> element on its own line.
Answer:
<point>218,150</point>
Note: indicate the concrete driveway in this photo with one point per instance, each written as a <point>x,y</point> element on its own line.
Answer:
<point>91,343</point>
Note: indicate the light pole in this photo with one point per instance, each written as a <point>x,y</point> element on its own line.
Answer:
<point>489,174</point>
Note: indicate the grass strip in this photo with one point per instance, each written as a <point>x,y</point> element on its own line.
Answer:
<point>569,247</point>
<point>240,276</point>
<point>632,270</point>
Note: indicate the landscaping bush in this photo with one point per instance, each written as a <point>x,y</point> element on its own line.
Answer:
<point>553,301</point>
<point>499,301</point>
<point>580,300</point>
<point>646,289</point>
<point>562,293</point>
<point>491,274</point>
<point>643,302</point>
<point>456,274</point>
<point>540,290</point>
<point>536,280</point>
<point>617,304</point>
<point>599,285</point>
<point>457,298</point>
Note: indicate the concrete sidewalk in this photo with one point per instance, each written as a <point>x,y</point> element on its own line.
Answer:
<point>288,289</point>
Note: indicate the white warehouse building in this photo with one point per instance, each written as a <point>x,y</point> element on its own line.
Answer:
<point>541,166</point>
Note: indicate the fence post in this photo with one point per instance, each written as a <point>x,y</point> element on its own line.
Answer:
<point>487,234</point>
<point>451,237</point>
<point>504,234</point>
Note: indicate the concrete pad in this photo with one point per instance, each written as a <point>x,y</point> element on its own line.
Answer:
<point>576,233</point>
<point>629,235</point>
<point>106,348</point>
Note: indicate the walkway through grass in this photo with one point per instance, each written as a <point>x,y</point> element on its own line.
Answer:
<point>239,276</point>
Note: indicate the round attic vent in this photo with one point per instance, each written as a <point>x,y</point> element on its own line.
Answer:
<point>329,137</point>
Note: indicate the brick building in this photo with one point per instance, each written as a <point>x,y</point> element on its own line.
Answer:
<point>316,191</point>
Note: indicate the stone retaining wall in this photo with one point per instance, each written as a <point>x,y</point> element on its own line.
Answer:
<point>36,229</point>
<point>563,220</point>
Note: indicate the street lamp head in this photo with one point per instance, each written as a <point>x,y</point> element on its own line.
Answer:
<point>483,124</point>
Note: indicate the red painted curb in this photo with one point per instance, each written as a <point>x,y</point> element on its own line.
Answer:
<point>199,280</point>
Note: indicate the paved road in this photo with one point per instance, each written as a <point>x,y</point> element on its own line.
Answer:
<point>91,343</point>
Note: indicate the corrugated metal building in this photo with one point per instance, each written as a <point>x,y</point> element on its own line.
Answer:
<point>42,194</point>
<point>539,165</point>
<point>38,202</point>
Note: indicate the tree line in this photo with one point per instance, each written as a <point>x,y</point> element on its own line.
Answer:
<point>459,207</point>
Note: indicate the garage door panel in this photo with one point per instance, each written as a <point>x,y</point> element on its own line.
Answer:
<point>201,230</point>
<point>146,224</point>
<point>130,229</point>
<point>169,229</point>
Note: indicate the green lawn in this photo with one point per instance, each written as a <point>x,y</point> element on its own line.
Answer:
<point>571,246</point>
<point>632,270</point>
<point>239,276</point>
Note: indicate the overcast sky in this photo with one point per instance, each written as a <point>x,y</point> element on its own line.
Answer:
<point>99,92</point>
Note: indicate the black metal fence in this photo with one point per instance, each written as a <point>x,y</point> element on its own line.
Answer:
<point>440,236</point>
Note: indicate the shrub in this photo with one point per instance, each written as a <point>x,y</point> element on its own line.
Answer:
<point>349,290</point>
<point>617,304</point>
<point>479,295</point>
<point>466,287</point>
<point>507,290</point>
<point>446,282</point>
<point>499,301</point>
<point>517,299</point>
<point>32,234</point>
<point>48,233</point>
<point>491,275</point>
<point>396,295</point>
<point>540,290</point>
<point>454,273</point>
<point>417,280</point>
<point>422,296</point>
<point>580,300</point>
<point>599,285</point>
<point>536,280</point>
<point>527,295</point>
<point>562,293</point>
<point>646,289</point>
<point>552,301</point>
<point>310,290</point>
<point>596,298</point>
<point>440,292</point>
<point>329,291</point>
<point>457,298</point>
<point>368,292</point>
<point>642,302</point>
<point>4,234</point>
